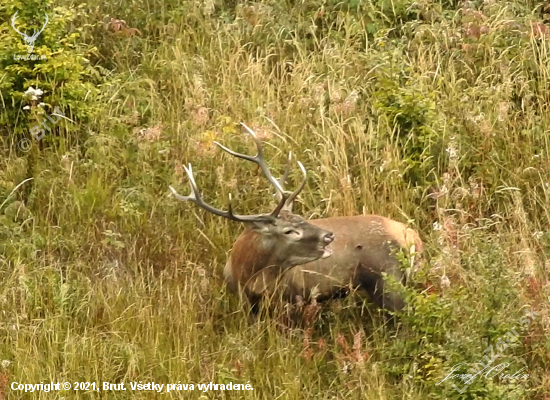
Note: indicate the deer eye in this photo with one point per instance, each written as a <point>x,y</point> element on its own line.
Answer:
<point>288,231</point>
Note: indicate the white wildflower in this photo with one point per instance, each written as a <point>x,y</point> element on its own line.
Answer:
<point>6,363</point>
<point>346,368</point>
<point>437,226</point>
<point>452,152</point>
<point>26,108</point>
<point>33,93</point>
<point>451,149</point>
<point>353,96</point>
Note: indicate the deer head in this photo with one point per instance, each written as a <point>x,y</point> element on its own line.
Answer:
<point>29,40</point>
<point>280,237</point>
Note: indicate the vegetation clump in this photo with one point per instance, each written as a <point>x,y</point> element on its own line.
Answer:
<point>434,113</point>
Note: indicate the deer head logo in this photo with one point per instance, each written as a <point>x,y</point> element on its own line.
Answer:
<point>29,40</point>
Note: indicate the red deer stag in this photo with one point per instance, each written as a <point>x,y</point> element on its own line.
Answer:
<point>283,251</point>
<point>273,242</point>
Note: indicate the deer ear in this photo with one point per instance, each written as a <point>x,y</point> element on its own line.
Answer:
<point>260,226</point>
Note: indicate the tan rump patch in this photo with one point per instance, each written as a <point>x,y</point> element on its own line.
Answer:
<point>406,237</point>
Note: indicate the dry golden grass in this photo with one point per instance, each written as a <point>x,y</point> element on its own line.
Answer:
<point>105,278</point>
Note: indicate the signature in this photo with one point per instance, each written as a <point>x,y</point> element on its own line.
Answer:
<point>468,378</point>
<point>510,339</point>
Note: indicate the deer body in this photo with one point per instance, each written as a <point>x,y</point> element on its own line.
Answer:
<point>363,248</point>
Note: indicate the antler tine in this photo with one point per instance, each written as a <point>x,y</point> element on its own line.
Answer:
<point>260,161</point>
<point>192,183</point>
<point>196,198</point>
<point>287,170</point>
<point>292,197</point>
<point>283,178</point>
<point>300,188</point>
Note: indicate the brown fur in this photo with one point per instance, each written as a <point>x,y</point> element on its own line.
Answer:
<point>324,255</point>
<point>363,249</point>
<point>263,252</point>
<point>248,256</point>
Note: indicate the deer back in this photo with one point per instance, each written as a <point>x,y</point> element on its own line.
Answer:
<point>364,247</point>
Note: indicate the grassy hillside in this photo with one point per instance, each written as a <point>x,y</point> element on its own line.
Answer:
<point>434,113</point>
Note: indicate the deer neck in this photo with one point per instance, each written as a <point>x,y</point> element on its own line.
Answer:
<point>253,252</point>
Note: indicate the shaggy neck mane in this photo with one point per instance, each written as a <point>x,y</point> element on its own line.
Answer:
<point>251,253</point>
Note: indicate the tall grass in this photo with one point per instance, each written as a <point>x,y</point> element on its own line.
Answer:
<point>431,113</point>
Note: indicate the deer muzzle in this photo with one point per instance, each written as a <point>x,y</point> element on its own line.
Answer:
<point>327,239</point>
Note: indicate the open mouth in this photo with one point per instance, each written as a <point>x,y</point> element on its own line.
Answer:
<point>326,253</point>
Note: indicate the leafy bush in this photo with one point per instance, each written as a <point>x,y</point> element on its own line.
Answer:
<point>63,73</point>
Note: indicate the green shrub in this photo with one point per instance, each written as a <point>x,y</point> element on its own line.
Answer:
<point>63,73</point>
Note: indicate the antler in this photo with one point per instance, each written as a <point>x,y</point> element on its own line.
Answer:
<point>13,24</point>
<point>281,181</point>
<point>196,198</point>
<point>283,178</point>
<point>258,159</point>
<point>285,201</point>
<point>43,26</point>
